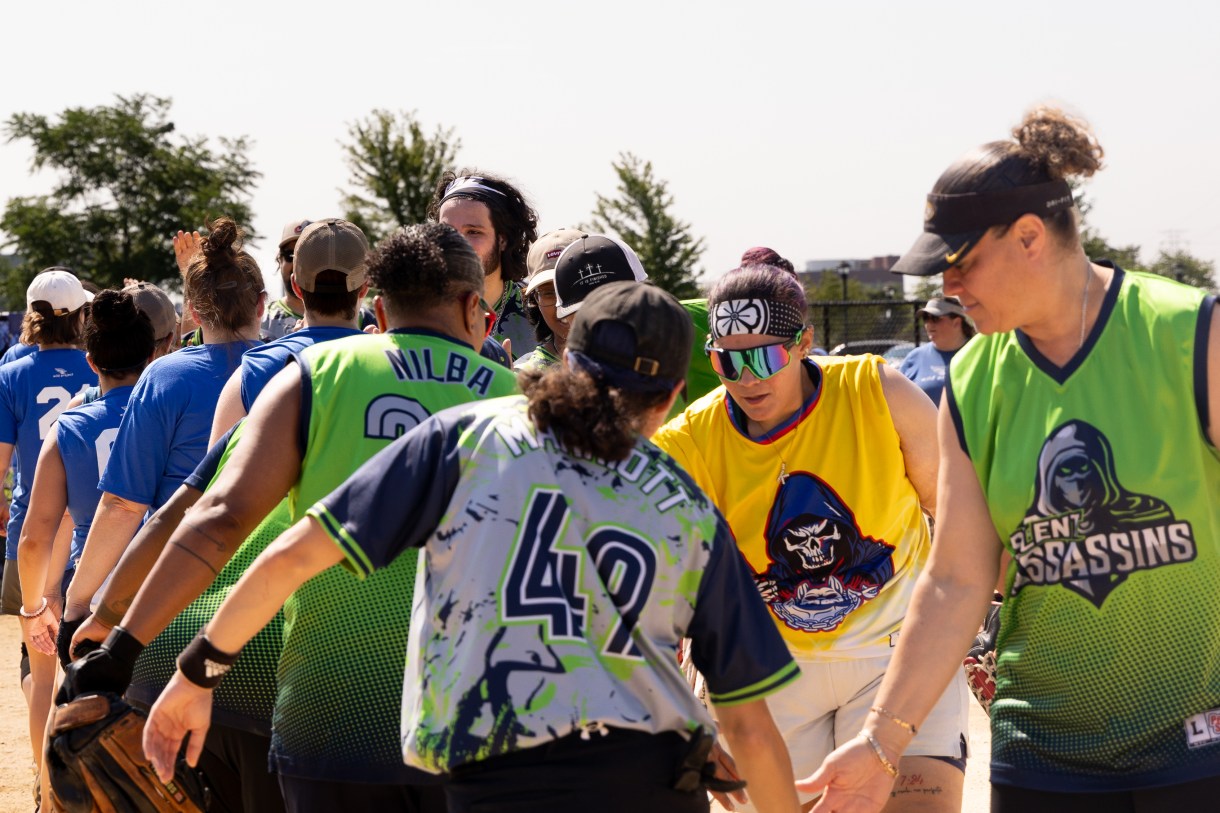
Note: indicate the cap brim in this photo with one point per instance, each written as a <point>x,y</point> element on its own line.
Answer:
<point>934,253</point>
<point>563,311</point>
<point>542,277</point>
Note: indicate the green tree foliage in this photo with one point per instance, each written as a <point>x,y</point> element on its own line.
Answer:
<point>394,167</point>
<point>639,215</point>
<point>1175,263</point>
<point>126,182</point>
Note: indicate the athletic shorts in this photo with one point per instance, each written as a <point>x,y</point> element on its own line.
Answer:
<point>10,590</point>
<point>826,706</point>
<point>1200,794</point>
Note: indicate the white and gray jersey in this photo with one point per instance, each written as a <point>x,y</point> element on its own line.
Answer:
<point>555,591</point>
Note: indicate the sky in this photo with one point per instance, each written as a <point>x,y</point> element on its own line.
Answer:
<point>816,128</point>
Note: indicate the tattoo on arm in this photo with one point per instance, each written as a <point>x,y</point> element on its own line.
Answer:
<point>206,563</point>
<point>220,546</point>
<point>111,613</point>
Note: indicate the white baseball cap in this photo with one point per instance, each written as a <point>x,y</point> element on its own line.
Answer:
<point>57,290</point>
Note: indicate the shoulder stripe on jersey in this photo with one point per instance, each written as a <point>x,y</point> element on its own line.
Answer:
<point>360,563</point>
<point>306,402</point>
<point>1202,333</point>
<point>760,689</point>
<point>955,411</point>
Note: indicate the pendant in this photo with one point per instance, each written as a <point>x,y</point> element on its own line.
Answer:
<point>783,473</point>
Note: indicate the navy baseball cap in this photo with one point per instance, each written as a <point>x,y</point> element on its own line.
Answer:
<point>588,263</point>
<point>635,337</point>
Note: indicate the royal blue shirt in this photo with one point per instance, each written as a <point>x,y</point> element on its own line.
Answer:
<point>17,351</point>
<point>259,366</point>
<point>34,390</point>
<point>926,366</point>
<point>85,435</point>
<point>165,432</point>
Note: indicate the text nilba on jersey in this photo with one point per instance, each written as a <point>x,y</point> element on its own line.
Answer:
<point>1084,530</point>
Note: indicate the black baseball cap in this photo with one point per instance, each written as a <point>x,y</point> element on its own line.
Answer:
<point>588,263</point>
<point>955,220</point>
<point>636,337</point>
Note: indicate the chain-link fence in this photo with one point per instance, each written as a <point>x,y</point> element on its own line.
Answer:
<point>868,326</point>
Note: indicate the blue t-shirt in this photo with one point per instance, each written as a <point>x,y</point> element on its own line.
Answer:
<point>926,366</point>
<point>34,390</point>
<point>85,435</point>
<point>17,351</point>
<point>165,432</point>
<point>259,366</point>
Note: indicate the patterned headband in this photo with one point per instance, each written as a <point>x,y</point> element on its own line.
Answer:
<point>471,186</point>
<point>761,316</point>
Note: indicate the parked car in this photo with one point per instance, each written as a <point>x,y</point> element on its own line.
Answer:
<point>892,350</point>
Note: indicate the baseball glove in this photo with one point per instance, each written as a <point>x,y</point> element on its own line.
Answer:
<point>97,764</point>
<point>979,662</point>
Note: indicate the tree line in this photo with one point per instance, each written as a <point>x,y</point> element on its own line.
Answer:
<point>126,179</point>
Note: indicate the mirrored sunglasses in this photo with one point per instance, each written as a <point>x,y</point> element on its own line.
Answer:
<point>762,362</point>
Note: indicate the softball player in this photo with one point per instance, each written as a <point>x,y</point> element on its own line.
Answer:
<point>566,557</point>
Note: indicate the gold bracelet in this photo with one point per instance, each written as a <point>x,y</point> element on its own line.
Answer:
<point>894,718</point>
<point>885,763</point>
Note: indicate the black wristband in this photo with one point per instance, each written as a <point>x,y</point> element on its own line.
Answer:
<point>203,664</point>
<point>123,646</point>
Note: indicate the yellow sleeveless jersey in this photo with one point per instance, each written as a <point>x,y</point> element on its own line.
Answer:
<point>836,542</point>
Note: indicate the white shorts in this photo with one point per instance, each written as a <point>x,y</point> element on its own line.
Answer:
<point>826,706</point>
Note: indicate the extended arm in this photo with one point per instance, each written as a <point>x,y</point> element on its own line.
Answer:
<point>133,568</point>
<point>299,554</point>
<point>114,524</point>
<point>762,758</point>
<point>261,470</point>
<point>914,418</point>
<point>37,547</point>
<point>951,596</point>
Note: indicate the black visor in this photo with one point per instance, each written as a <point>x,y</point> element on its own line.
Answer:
<point>955,223</point>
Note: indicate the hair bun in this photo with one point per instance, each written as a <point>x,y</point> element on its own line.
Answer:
<point>1064,145</point>
<point>113,310</point>
<point>223,242</point>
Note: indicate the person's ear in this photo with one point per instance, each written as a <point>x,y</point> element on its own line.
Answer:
<point>1030,233</point>
<point>92,366</point>
<point>296,288</point>
<point>806,344</point>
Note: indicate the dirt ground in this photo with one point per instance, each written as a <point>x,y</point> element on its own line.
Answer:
<point>15,776</point>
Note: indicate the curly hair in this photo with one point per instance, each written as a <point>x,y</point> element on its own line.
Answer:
<point>587,418</point>
<point>1048,145</point>
<point>118,336</point>
<point>419,266</point>
<point>511,216</point>
<point>223,282</point>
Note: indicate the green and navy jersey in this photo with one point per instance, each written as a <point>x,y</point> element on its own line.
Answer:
<point>245,698</point>
<point>340,674</point>
<point>511,321</point>
<point>1103,486</point>
<point>555,590</point>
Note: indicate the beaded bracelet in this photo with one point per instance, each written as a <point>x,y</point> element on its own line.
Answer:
<point>885,763</point>
<point>42,608</point>
<point>894,718</point>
